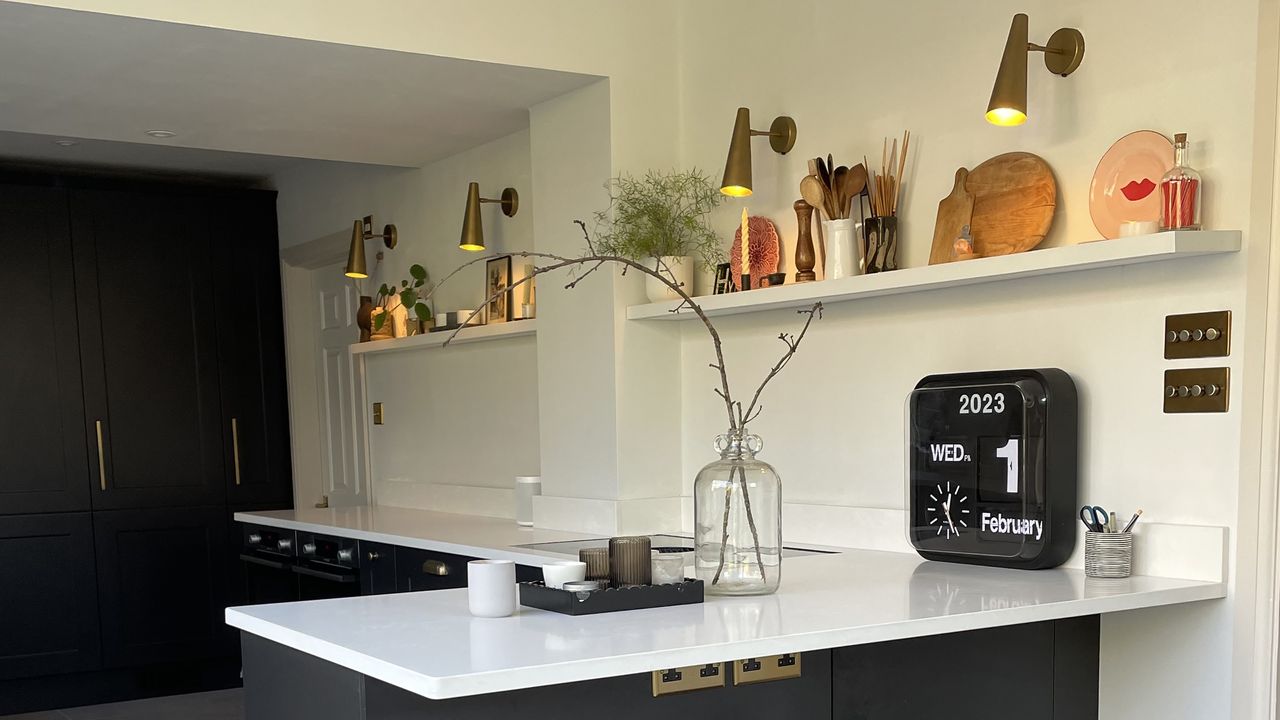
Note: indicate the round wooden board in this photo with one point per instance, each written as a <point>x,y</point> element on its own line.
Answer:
<point>1014,196</point>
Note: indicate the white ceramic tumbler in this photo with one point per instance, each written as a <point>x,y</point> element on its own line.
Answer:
<point>491,588</point>
<point>842,250</point>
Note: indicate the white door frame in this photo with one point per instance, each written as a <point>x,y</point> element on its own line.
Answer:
<point>301,317</point>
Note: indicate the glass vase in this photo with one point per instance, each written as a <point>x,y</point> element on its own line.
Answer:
<point>737,503</point>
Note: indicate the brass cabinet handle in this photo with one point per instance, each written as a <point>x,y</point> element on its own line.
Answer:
<point>102,461</point>
<point>235,447</point>
<point>435,567</point>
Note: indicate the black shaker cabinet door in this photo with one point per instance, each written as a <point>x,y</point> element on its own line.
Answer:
<point>250,331</point>
<point>43,460</point>
<point>149,362</point>
<point>162,583</point>
<point>48,600</point>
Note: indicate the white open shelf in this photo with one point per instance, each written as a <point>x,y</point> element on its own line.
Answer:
<point>478,333</point>
<point>1049,261</point>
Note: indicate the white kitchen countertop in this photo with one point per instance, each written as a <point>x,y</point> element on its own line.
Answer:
<point>474,535</point>
<point>428,643</point>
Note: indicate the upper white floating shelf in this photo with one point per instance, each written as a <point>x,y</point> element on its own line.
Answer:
<point>479,333</point>
<point>1049,261</point>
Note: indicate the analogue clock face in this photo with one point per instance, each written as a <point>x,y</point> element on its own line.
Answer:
<point>949,510</point>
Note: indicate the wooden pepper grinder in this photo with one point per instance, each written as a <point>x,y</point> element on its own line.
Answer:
<point>804,242</point>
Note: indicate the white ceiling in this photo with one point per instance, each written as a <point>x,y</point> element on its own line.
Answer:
<point>70,74</point>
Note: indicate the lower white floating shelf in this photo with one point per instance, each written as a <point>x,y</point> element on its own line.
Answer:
<point>478,333</point>
<point>1103,253</point>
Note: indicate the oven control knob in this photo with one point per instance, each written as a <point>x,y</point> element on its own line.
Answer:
<point>308,548</point>
<point>284,545</point>
<point>255,539</point>
<point>345,555</point>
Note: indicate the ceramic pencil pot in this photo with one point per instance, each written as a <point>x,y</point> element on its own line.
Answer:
<point>677,269</point>
<point>738,520</point>
<point>881,244</point>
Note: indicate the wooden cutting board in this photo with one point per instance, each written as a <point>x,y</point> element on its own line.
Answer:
<point>954,212</point>
<point>1014,196</point>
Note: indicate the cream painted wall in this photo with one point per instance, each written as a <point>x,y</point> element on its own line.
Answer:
<point>463,417</point>
<point>834,423</point>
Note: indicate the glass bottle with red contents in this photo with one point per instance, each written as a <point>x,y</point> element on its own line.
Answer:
<point>1180,191</point>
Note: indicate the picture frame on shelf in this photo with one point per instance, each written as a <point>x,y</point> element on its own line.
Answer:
<point>724,280</point>
<point>497,277</point>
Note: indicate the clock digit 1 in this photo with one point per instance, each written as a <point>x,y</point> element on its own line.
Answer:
<point>1009,453</point>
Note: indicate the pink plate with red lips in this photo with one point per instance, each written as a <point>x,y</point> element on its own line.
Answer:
<point>1126,184</point>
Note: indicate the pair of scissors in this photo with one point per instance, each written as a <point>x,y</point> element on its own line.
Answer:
<point>1094,518</point>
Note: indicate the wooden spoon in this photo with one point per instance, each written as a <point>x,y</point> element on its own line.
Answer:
<point>813,193</point>
<point>839,187</point>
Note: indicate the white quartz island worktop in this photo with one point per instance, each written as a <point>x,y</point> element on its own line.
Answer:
<point>427,643</point>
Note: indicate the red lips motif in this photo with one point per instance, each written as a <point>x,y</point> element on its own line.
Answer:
<point>1136,191</point>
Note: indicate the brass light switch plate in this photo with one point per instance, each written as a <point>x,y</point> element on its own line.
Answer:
<point>691,677</point>
<point>1196,390</point>
<point>1197,335</point>
<point>766,668</point>
<point>377,413</point>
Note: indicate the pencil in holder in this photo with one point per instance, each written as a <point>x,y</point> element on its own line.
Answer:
<point>1108,555</point>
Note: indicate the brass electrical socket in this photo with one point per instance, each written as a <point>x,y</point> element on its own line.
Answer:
<point>377,413</point>
<point>766,668</point>
<point>1197,335</point>
<point>1197,390</point>
<point>691,677</point>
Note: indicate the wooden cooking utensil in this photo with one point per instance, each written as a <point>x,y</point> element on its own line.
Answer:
<point>812,192</point>
<point>1014,197</point>
<point>839,182</point>
<point>857,180</point>
<point>954,212</point>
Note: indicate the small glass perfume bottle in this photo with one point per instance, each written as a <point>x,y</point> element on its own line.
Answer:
<point>1180,191</point>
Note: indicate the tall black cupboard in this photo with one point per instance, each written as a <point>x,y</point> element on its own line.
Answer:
<point>142,401</point>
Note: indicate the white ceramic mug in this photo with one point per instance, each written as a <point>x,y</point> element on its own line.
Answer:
<point>558,573</point>
<point>491,588</point>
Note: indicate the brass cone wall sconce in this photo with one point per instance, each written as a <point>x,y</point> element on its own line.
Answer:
<point>737,168</point>
<point>1062,55</point>
<point>472,228</point>
<point>362,230</point>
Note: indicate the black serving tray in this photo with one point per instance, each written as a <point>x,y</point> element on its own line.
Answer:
<point>640,597</point>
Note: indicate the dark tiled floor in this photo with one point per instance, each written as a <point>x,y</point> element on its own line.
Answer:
<point>220,705</point>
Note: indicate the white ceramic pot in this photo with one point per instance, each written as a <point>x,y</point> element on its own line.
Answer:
<point>491,588</point>
<point>681,271</point>
<point>556,574</point>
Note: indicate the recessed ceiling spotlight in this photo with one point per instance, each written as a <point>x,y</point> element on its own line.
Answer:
<point>66,142</point>
<point>162,134</point>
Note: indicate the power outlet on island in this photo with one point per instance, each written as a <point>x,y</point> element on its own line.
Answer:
<point>684,679</point>
<point>766,668</point>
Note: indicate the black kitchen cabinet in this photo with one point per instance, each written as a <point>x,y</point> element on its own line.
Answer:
<point>48,598</point>
<point>162,584</point>
<point>377,568</point>
<point>418,569</point>
<point>144,288</point>
<point>43,461</point>
<point>250,335</point>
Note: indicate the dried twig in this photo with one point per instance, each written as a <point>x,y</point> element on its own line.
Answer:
<point>738,419</point>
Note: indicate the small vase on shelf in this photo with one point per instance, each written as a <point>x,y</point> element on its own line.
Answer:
<point>738,520</point>
<point>364,318</point>
<point>1180,191</point>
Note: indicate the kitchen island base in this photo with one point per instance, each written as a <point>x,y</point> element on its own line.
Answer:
<point>1044,670</point>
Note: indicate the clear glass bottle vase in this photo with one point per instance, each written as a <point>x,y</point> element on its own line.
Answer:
<point>737,503</point>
